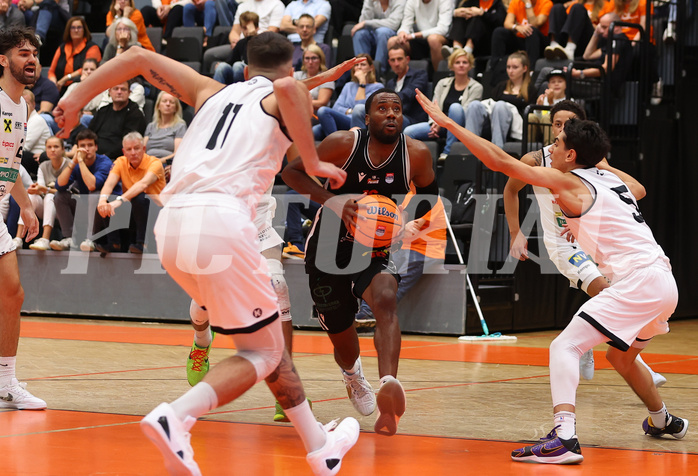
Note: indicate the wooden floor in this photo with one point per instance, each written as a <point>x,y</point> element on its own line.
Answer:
<point>468,406</point>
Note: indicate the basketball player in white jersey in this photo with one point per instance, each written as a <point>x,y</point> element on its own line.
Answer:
<point>207,240</point>
<point>602,213</point>
<point>568,257</point>
<point>18,66</point>
<point>270,246</point>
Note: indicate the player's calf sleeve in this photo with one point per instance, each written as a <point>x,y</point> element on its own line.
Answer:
<point>279,282</point>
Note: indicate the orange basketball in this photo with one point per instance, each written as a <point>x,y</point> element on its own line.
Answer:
<point>382,221</point>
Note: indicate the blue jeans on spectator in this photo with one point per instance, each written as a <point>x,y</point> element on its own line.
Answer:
<point>410,265</point>
<point>420,131</point>
<point>332,121</point>
<point>207,16</point>
<point>477,118</point>
<point>86,119</point>
<point>51,122</point>
<point>226,12</point>
<point>294,219</point>
<point>227,74</point>
<point>47,16</point>
<point>375,43</point>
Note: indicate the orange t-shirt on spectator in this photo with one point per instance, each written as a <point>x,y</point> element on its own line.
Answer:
<point>136,18</point>
<point>130,176</point>
<point>541,7</point>
<point>633,17</point>
<point>608,7</point>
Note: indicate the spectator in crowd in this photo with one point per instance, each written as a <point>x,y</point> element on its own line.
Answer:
<point>404,84</point>
<point>314,64</point>
<point>379,21</point>
<point>270,14</point>
<point>555,92</point>
<point>166,13</point>
<point>142,178</point>
<point>525,28</point>
<point>10,15</point>
<point>77,46</point>
<point>339,116</point>
<point>473,23</point>
<point>424,26</point>
<point>343,12</point>
<point>631,11</point>
<point>37,133</point>
<point>127,9</point>
<point>164,134</point>
<point>597,51</point>
<point>503,112</point>
<point>88,67</point>
<point>571,27</point>
<point>84,175</point>
<point>453,95</point>
<point>136,94</point>
<point>320,10</point>
<point>112,122</point>
<point>305,27</point>
<point>225,10</point>
<point>202,13</point>
<point>232,69</point>
<point>46,94</point>
<point>51,15</point>
<point>45,188</point>
<point>125,36</point>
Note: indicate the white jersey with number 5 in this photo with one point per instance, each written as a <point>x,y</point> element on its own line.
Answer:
<point>232,147</point>
<point>613,230</point>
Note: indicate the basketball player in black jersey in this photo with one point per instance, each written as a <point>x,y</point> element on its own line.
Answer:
<point>380,160</point>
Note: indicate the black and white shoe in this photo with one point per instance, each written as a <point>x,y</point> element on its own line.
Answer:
<point>171,436</point>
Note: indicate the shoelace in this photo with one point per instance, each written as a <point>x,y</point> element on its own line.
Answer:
<point>199,357</point>
<point>551,435</point>
<point>20,389</point>
<point>356,387</point>
<point>331,425</point>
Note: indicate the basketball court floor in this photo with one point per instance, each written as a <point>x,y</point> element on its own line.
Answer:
<point>468,406</point>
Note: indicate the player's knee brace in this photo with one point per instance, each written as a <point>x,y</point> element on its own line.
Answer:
<point>279,282</point>
<point>197,314</point>
<point>264,359</point>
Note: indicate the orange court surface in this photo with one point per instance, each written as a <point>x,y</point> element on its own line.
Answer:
<point>468,406</point>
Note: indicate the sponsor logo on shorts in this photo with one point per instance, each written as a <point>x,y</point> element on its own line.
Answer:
<point>321,292</point>
<point>389,178</point>
<point>257,313</point>
<point>579,258</point>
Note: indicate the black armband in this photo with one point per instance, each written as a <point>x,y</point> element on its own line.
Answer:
<point>425,205</point>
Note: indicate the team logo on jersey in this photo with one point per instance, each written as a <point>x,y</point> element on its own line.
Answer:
<point>19,125</point>
<point>389,178</point>
<point>579,258</point>
<point>361,176</point>
<point>374,180</point>
<point>8,125</point>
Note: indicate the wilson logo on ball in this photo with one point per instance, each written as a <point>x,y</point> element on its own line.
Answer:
<point>379,221</point>
<point>381,211</point>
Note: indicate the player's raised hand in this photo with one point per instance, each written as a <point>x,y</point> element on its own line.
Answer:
<point>432,109</point>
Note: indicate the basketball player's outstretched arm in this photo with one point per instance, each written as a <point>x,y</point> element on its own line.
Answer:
<point>518,243</point>
<point>567,187</point>
<point>162,72</point>
<point>332,74</point>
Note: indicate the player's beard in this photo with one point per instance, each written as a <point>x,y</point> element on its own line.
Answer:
<point>384,137</point>
<point>21,76</point>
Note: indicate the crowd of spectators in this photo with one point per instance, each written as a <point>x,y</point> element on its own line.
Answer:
<point>452,38</point>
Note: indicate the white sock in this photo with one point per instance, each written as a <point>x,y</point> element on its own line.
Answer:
<point>568,424</point>
<point>554,43</point>
<point>199,316</point>
<point>199,400</point>
<point>308,428</point>
<point>7,370</point>
<point>354,369</point>
<point>570,48</point>
<point>660,419</point>
<point>468,49</point>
